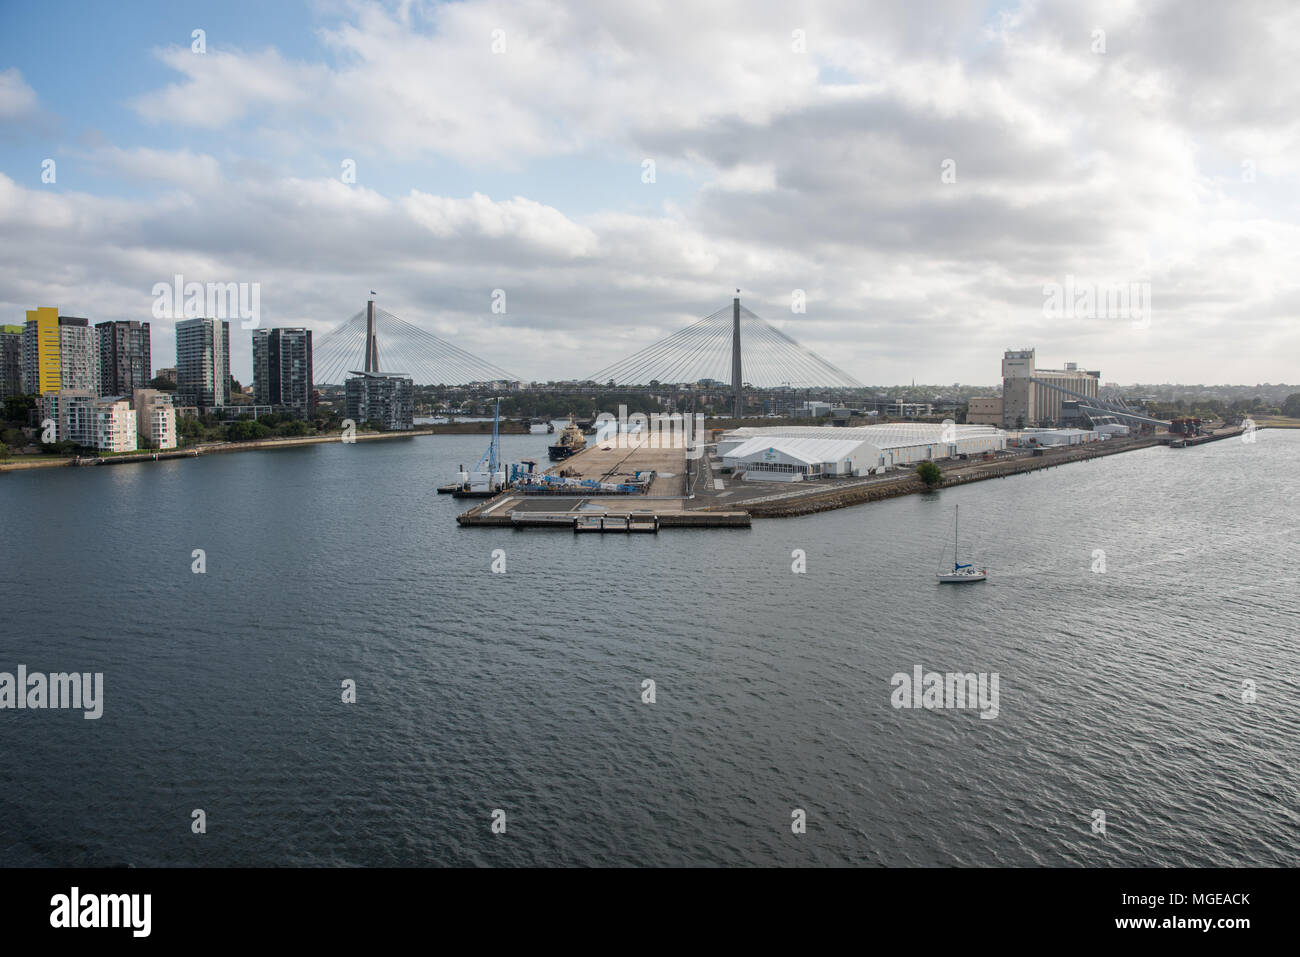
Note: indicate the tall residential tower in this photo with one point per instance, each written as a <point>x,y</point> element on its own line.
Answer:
<point>124,360</point>
<point>41,351</point>
<point>11,361</point>
<point>282,369</point>
<point>203,362</point>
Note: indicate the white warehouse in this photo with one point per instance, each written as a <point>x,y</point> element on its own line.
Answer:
<point>784,459</point>
<point>1052,437</point>
<point>796,453</point>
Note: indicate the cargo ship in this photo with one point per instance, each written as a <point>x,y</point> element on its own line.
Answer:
<point>569,442</point>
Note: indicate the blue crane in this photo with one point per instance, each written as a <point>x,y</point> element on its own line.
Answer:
<point>489,460</point>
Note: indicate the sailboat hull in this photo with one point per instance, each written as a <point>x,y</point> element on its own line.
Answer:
<point>956,578</point>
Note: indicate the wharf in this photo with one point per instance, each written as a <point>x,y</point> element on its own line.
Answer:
<point>1187,441</point>
<point>696,494</point>
<point>668,501</point>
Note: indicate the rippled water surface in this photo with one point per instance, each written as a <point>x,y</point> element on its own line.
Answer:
<point>1120,690</point>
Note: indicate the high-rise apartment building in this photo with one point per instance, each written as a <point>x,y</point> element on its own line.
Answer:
<point>11,361</point>
<point>41,351</point>
<point>282,369</point>
<point>78,355</point>
<point>385,398</point>
<point>203,362</point>
<point>125,363</point>
<point>59,352</point>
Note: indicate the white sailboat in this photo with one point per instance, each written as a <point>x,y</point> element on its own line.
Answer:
<point>961,571</point>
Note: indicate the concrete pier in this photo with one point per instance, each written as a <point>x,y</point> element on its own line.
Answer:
<point>706,498</point>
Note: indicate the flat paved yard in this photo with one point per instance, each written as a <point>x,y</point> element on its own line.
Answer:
<point>615,462</point>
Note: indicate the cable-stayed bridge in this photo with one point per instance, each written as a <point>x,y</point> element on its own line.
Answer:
<point>374,339</point>
<point>733,347</point>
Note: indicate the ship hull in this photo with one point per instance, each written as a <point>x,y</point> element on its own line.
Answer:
<point>958,578</point>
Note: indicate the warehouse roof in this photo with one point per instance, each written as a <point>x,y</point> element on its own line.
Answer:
<point>811,450</point>
<point>891,435</point>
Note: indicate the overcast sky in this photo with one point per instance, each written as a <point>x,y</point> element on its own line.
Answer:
<point>921,171</point>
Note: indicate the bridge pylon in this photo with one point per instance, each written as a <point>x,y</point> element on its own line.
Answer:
<point>737,379</point>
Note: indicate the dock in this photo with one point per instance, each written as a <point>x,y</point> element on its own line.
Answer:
<point>698,494</point>
<point>667,501</point>
<point>1188,441</point>
<point>640,522</point>
<point>596,515</point>
<point>455,491</point>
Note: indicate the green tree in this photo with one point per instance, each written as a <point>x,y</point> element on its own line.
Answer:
<point>18,407</point>
<point>929,473</point>
<point>246,430</point>
<point>4,451</point>
<point>162,384</point>
<point>1291,405</point>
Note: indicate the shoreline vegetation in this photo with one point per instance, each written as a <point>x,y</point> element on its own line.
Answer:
<point>38,460</point>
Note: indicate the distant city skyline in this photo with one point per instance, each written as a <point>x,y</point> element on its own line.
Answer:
<point>907,191</point>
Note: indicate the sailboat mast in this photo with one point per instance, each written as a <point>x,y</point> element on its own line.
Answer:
<point>955,509</point>
<point>496,423</point>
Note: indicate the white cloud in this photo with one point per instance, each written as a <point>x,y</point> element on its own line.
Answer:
<point>818,170</point>
<point>223,87</point>
<point>17,99</point>
<point>515,221</point>
<point>144,165</point>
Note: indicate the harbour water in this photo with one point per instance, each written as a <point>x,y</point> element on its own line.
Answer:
<point>1134,604</point>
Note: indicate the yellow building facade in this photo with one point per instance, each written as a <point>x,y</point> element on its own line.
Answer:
<point>48,369</point>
